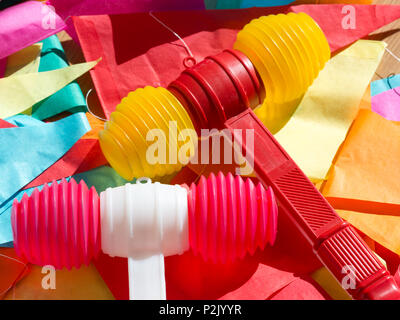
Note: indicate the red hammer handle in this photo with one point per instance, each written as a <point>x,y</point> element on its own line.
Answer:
<point>334,241</point>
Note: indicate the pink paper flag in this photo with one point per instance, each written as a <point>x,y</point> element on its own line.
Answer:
<point>25,24</point>
<point>387,104</point>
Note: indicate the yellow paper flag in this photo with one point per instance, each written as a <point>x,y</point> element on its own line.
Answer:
<point>319,125</point>
<point>19,93</point>
<point>24,61</point>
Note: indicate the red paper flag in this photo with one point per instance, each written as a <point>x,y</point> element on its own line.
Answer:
<point>143,53</point>
<point>83,156</point>
<point>12,269</point>
<point>4,124</point>
<point>133,58</point>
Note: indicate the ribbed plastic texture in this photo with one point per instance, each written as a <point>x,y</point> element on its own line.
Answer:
<point>58,226</point>
<point>219,87</point>
<point>124,143</point>
<point>311,205</point>
<point>229,217</point>
<point>288,51</point>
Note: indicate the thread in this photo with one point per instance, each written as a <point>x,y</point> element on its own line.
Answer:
<point>188,61</point>
<point>58,225</point>
<point>88,108</point>
<point>124,139</point>
<point>288,51</point>
<point>229,217</point>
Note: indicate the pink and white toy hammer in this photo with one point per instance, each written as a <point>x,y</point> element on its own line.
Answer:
<point>221,218</point>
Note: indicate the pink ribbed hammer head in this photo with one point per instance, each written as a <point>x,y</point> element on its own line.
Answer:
<point>229,217</point>
<point>58,225</point>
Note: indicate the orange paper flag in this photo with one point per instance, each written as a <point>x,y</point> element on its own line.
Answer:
<point>365,176</point>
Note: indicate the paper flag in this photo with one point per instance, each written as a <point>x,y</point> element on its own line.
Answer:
<point>319,125</point>
<point>69,8</point>
<point>96,125</point>
<point>227,4</point>
<point>5,124</point>
<point>158,59</point>
<point>8,3</point>
<point>25,24</point>
<point>24,61</point>
<point>366,99</point>
<point>3,66</point>
<point>84,155</point>
<point>387,104</point>
<point>261,287</point>
<point>344,24</point>
<point>18,93</point>
<point>325,279</point>
<point>304,288</point>
<point>384,229</point>
<point>22,120</point>
<point>365,175</point>
<point>27,151</point>
<point>235,4</point>
<point>382,85</point>
<point>67,98</point>
<point>332,1</point>
<point>84,283</point>
<point>13,269</point>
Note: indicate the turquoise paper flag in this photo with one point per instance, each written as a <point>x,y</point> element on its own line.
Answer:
<point>68,98</point>
<point>101,178</point>
<point>25,152</point>
<point>236,4</point>
<point>386,84</point>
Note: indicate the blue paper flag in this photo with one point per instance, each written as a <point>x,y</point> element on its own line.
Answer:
<point>68,98</point>
<point>22,120</point>
<point>386,84</point>
<point>236,4</point>
<point>101,178</point>
<point>25,152</point>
